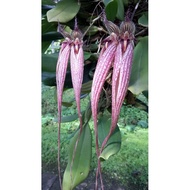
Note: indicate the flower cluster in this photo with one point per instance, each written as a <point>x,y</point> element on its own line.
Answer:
<point>73,47</point>
<point>116,54</point>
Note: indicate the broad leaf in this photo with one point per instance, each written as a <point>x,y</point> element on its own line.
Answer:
<point>64,11</point>
<point>143,20</point>
<point>114,143</point>
<point>120,10</point>
<point>87,55</point>
<point>139,74</point>
<point>48,27</point>
<point>49,62</point>
<point>111,7</point>
<point>81,164</point>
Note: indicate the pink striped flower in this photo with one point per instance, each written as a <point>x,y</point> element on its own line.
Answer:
<point>104,63</point>
<point>72,47</point>
<point>117,53</point>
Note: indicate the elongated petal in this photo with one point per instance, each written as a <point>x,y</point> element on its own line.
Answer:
<point>115,76</point>
<point>103,66</point>
<point>61,73</point>
<point>77,68</point>
<point>115,79</point>
<point>121,72</point>
<point>125,75</point>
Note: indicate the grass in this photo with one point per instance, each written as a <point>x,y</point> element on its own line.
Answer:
<point>129,166</point>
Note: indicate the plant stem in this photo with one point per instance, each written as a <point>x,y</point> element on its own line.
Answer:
<point>93,21</point>
<point>58,156</point>
<point>135,9</point>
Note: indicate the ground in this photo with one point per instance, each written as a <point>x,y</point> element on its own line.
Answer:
<point>50,182</point>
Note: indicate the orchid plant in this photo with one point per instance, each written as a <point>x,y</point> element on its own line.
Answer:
<point>108,88</point>
<point>72,46</point>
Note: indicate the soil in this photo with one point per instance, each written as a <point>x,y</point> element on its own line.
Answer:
<point>50,181</point>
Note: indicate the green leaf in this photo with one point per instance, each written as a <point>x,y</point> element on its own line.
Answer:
<point>114,143</point>
<point>48,27</point>
<point>120,10</point>
<point>93,30</point>
<point>49,62</point>
<point>68,118</point>
<point>87,55</point>
<point>48,2</point>
<point>64,11</point>
<point>82,159</point>
<point>51,36</point>
<point>45,45</point>
<point>125,2</point>
<point>145,93</point>
<point>143,20</point>
<point>139,74</point>
<point>111,7</point>
<point>49,79</point>
<point>143,124</point>
<point>86,87</point>
<point>67,104</point>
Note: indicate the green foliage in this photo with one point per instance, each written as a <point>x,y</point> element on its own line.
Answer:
<point>143,20</point>
<point>111,7</point>
<point>49,143</point>
<point>125,2</point>
<point>49,105</point>
<point>48,27</point>
<point>48,2</point>
<point>131,116</point>
<point>49,62</point>
<point>78,165</point>
<point>69,118</point>
<point>132,160</point>
<point>133,155</point>
<point>64,11</point>
<point>120,10</point>
<point>139,73</point>
<point>114,143</point>
<point>86,87</point>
